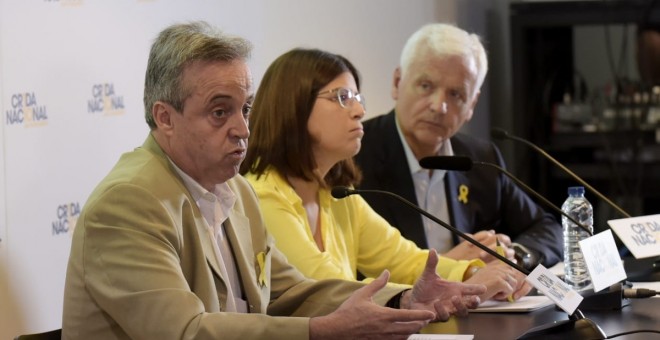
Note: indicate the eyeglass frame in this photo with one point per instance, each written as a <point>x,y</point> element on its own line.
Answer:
<point>353,97</point>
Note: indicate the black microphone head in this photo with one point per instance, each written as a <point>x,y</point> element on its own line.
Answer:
<point>459,163</point>
<point>499,133</point>
<point>341,192</point>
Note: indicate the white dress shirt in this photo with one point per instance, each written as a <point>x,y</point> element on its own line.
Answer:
<point>215,207</point>
<point>431,196</point>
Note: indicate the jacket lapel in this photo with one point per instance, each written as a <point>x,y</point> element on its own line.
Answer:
<point>395,177</point>
<point>238,231</point>
<point>207,244</point>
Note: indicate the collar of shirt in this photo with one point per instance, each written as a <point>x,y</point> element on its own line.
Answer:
<point>413,163</point>
<point>286,189</point>
<point>282,185</point>
<point>214,206</point>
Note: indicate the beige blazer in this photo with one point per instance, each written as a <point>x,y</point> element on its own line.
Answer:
<point>142,266</point>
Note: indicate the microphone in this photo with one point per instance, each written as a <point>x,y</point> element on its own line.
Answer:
<point>460,163</point>
<point>452,163</point>
<point>639,293</point>
<point>577,326</point>
<point>502,134</point>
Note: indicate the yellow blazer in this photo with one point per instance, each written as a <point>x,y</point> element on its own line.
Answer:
<point>142,265</point>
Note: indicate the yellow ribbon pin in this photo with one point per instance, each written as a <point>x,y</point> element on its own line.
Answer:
<point>261,260</point>
<point>463,193</point>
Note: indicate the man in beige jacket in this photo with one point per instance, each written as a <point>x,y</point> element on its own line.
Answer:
<point>171,244</point>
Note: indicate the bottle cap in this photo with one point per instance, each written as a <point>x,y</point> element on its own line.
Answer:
<point>575,191</point>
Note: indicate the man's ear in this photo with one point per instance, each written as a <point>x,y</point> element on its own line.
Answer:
<point>473,105</point>
<point>162,113</point>
<point>396,78</point>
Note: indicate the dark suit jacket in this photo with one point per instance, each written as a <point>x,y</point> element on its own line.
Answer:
<point>494,201</point>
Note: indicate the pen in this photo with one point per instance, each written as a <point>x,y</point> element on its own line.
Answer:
<point>500,251</point>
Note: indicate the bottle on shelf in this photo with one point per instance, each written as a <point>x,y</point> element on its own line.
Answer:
<point>578,207</point>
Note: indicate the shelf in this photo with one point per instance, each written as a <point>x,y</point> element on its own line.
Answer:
<point>544,35</point>
<point>567,140</point>
<point>571,13</point>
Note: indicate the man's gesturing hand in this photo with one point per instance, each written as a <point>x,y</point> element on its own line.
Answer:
<point>443,297</point>
<point>360,318</point>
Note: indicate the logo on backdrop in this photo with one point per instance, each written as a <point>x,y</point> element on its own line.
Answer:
<point>67,3</point>
<point>26,110</point>
<point>105,100</point>
<point>67,216</point>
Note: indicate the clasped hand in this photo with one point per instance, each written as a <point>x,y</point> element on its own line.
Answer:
<point>467,251</point>
<point>501,280</point>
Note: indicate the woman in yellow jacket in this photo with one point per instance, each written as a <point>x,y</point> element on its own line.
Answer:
<point>305,129</point>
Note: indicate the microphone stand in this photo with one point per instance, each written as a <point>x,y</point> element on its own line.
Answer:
<point>447,226</point>
<point>538,196</point>
<point>502,134</point>
<point>577,327</point>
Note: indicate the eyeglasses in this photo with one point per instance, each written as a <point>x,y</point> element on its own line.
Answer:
<point>345,97</point>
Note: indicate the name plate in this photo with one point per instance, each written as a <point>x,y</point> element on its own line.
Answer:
<point>553,287</point>
<point>640,234</point>
<point>603,260</point>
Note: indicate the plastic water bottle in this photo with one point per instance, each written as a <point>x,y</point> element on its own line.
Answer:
<point>576,205</point>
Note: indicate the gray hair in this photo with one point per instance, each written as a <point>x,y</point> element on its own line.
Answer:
<point>445,40</point>
<point>174,49</point>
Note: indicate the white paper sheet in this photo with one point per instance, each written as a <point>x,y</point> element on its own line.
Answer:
<point>441,337</point>
<point>524,304</point>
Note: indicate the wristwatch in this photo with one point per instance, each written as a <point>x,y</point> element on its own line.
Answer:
<point>526,257</point>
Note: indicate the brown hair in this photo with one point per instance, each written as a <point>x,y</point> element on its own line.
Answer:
<point>279,137</point>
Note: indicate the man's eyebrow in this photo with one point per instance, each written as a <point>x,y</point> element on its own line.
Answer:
<point>218,97</point>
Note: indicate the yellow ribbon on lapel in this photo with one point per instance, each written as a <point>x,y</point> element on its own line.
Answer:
<point>463,192</point>
<point>261,261</point>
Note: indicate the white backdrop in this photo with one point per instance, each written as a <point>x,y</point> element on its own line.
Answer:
<point>71,75</point>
